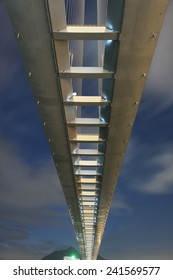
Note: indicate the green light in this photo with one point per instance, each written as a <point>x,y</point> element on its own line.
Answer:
<point>73,257</point>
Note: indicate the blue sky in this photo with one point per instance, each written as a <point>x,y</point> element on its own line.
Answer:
<point>34,218</point>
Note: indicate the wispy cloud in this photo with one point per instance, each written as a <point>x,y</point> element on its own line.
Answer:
<point>12,233</point>
<point>26,251</point>
<point>11,63</point>
<point>18,251</point>
<point>159,84</point>
<point>29,194</point>
<point>161,181</point>
<point>120,205</point>
<point>149,169</point>
<point>15,243</point>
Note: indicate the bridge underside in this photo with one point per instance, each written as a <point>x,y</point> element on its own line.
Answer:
<point>88,151</point>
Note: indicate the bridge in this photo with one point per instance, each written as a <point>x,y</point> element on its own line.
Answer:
<point>87,111</point>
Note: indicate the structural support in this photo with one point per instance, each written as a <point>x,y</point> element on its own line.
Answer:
<point>85,33</point>
<point>88,151</point>
<point>86,72</point>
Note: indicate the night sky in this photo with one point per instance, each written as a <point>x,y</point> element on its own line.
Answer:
<point>34,219</point>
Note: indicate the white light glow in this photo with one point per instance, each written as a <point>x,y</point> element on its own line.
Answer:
<point>108,42</point>
<point>102,119</point>
<point>104,97</point>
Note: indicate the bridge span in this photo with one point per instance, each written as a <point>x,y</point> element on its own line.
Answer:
<point>87,129</point>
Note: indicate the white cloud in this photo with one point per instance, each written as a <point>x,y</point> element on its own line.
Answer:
<point>148,168</point>
<point>119,205</point>
<point>29,251</point>
<point>159,84</point>
<point>16,245</point>
<point>29,194</point>
<point>12,233</point>
<point>161,181</point>
<point>11,63</point>
<point>18,251</point>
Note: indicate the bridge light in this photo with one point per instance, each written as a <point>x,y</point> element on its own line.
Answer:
<point>109,26</point>
<point>108,42</point>
<point>143,75</point>
<point>71,95</point>
<point>73,257</point>
<point>104,97</point>
<point>102,119</point>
